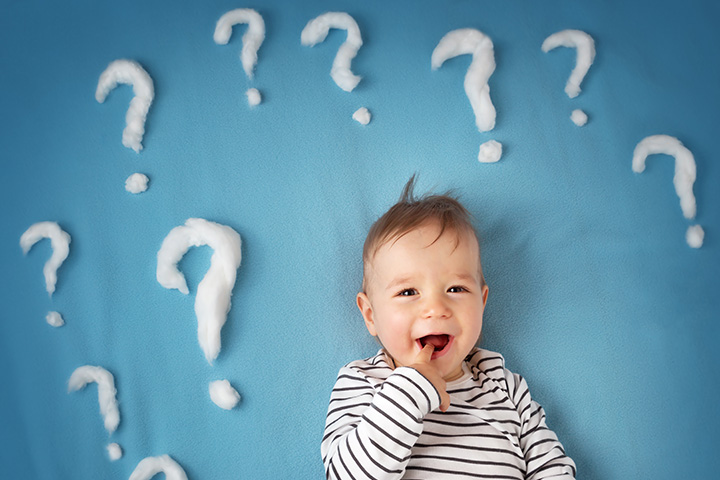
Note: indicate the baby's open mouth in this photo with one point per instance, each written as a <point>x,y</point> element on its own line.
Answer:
<point>438,341</point>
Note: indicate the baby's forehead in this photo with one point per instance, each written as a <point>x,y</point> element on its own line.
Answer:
<point>458,235</point>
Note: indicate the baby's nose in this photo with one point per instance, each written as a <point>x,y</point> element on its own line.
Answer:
<point>435,306</point>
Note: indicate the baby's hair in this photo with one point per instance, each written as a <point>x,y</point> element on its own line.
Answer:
<point>410,213</point>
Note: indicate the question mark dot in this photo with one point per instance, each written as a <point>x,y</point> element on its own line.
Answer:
<point>362,116</point>
<point>254,97</point>
<point>55,319</point>
<point>695,236</point>
<point>114,451</point>
<point>490,152</point>
<point>136,183</point>
<point>579,117</point>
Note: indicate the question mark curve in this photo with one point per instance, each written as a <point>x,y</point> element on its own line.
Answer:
<point>585,55</point>
<point>60,243</point>
<point>252,39</point>
<point>106,392</point>
<point>317,30</point>
<point>212,300</point>
<point>131,73</point>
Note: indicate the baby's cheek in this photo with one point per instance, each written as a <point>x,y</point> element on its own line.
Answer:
<point>400,333</point>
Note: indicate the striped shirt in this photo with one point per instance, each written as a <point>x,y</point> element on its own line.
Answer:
<point>384,423</point>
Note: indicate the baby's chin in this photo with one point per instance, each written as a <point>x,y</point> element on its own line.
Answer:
<point>454,374</point>
<point>448,373</point>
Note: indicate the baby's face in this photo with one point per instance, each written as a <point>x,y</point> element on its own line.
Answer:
<point>419,292</point>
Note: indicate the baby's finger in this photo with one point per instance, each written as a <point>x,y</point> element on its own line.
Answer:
<point>444,401</point>
<point>425,354</point>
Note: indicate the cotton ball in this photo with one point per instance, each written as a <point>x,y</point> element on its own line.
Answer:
<point>579,117</point>
<point>254,97</point>
<point>223,394</point>
<point>695,236</point>
<point>362,115</point>
<point>136,183</point>
<point>55,319</point>
<point>114,451</point>
<point>490,152</point>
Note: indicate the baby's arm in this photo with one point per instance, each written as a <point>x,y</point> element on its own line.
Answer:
<point>370,434</point>
<point>544,454</point>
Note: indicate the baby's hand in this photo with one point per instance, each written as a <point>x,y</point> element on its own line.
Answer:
<point>422,364</point>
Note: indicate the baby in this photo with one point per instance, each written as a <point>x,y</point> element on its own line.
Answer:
<point>430,404</point>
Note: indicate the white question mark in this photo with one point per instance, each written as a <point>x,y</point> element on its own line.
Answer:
<point>151,466</point>
<point>131,73</point>
<point>253,38</point>
<point>585,47</point>
<point>473,42</point>
<point>212,301</point>
<point>317,30</point>
<point>60,244</point>
<point>106,398</point>
<point>685,174</point>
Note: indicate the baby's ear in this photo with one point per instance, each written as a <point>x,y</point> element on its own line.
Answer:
<point>363,303</point>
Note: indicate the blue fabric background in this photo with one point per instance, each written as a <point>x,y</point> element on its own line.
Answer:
<point>594,295</point>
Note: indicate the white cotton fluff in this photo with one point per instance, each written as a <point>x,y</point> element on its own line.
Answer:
<point>253,38</point>
<point>136,183</point>
<point>114,452</point>
<point>695,236</point>
<point>490,152</point>
<point>212,301</point>
<point>685,170</point>
<point>317,30</point>
<point>362,115</point>
<point>223,394</point>
<point>579,117</point>
<point>131,73</point>
<point>106,392</point>
<point>254,97</point>
<point>470,41</point>
<point>55,319</point>
<point>151,466</point>
<point>585,46</point>
<point>60,243</point>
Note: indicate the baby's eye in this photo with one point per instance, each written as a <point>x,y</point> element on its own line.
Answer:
<point>407,292</point>
<point>457,289</point>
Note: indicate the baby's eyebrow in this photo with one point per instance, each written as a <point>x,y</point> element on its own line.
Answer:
<point>466,277</point>
<point>406,280</point>
<point>397,282</point>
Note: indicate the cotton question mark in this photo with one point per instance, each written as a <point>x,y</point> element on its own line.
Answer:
<point>473,42</point>
<point>253,38</point>
<point>585,47</point>
<point>107,398</point>
<point>212,301</point>
<point>685,174</point>
<point>60,244</point>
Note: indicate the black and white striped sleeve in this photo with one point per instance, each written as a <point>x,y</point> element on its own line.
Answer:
<point>544,454</point>
<point>369,434</point>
